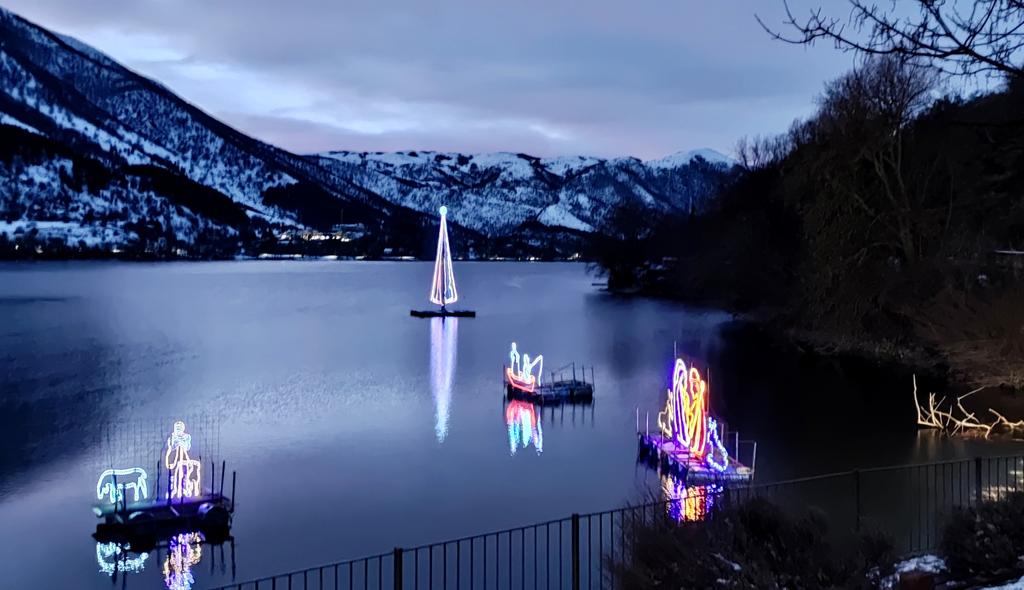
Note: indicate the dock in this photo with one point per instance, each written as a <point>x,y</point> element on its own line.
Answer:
<point>565,386</point>
<point>138,523</point>
<point>662,454</point>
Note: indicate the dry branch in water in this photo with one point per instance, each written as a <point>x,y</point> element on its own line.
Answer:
<point>956,419</point>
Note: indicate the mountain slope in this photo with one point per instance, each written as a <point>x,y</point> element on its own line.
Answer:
<point>499,192</point>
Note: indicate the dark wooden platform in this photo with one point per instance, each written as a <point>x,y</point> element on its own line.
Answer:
<point>653,451</point>
<point>560,392</point>
<point>447,313</point>
<point>210,514</point>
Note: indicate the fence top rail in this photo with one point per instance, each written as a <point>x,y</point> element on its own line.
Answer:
<point>316,568</point>
<point>474,537</point>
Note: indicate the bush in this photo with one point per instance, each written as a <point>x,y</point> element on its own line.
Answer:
<point>754,545</point>
<point>985,540</point>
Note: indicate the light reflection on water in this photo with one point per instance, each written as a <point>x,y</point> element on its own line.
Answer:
<point>689,503</point>
<point>524,428</point>
<point>444,345</point>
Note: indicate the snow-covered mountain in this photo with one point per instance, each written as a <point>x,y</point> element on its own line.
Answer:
<point>95,155</point>
<point>499,192</point>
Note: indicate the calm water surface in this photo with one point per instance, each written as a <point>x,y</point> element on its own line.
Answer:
<point>355,428</point>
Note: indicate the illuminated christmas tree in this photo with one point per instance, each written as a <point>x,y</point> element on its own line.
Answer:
<point>442,290</point>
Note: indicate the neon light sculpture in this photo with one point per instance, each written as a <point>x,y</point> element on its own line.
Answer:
<point>183,552</point>
<point>523,426</point>
<point>685,421</point>
<point>185,471</point>
<point>520,373</point>
<point>112,558</point>
<point>443,351</point>
<point>113,483</point>
<point>442,289</point>
<point>717,457</point>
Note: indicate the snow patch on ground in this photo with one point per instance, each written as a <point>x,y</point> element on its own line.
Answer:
<point>569,164</point>
<point>558,217</point>
<point>931,564</point>
<point>6,119</point>
<point>683,158</point>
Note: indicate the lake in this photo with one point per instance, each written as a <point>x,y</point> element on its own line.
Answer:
<point>355,428</point>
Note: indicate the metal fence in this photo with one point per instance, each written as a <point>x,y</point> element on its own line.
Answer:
<point>909,503</point>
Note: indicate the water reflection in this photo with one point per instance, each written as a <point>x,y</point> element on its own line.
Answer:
<point>113,558</point>
<point>183,552</point>
<point>523,421</point>
<point>444,339</point>
<point>689,503</point>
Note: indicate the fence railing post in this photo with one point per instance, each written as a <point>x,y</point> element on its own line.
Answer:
<point>856,498</point>
<point>397,557</point>
<point>977,481</point>
<point>575,552</point>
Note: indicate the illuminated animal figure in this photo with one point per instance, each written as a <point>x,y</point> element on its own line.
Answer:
<point>113,483</point>
<point>185,471</point>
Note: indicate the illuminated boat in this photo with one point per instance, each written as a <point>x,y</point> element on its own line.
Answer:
<point>442,287</point>
<point>690,443</point>
<point>526,385</point>
<point>523,381</point>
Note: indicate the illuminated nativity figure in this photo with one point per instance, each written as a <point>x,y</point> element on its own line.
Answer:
<point>185,471</point>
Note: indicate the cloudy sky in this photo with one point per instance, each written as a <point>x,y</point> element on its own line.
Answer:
<point>548,77</point>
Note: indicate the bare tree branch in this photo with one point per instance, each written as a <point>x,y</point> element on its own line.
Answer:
<point>987,39</point>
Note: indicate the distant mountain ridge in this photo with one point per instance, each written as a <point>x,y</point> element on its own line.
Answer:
<point>494,193</point>
<point>93,155</point>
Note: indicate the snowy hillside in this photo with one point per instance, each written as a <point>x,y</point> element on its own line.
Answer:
<point>496,193</point>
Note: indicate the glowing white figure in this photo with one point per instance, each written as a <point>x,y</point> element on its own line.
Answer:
<point>443,351</point>
<point>442,289</point>
<point>113,483</point>
<point>185,471</point>
<point>513,360</point>
<point>527,373</point>
<point>111,558</point>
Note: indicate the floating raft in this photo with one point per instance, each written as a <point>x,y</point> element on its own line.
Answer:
<point>210,514</point>
<point>442,313</point>
<point>662,454</point>
<point>568,391</point>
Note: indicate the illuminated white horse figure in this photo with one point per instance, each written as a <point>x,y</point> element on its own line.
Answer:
<point>113,483</point>
<point>185,471</point>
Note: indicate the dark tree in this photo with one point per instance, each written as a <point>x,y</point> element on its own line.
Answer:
<point>957,37</point>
